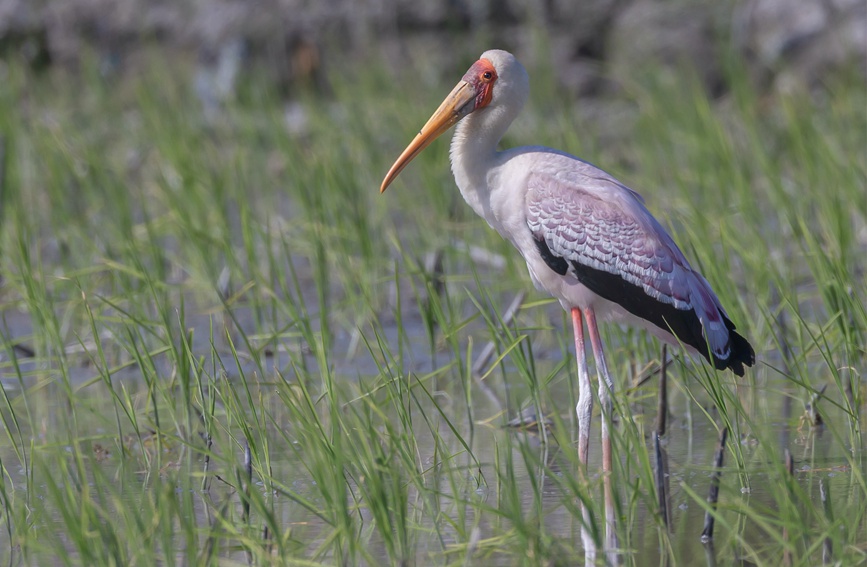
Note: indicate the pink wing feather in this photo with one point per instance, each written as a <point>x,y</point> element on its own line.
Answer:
<point>615,247</point>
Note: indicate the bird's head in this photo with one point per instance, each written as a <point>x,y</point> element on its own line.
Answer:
<point>494,82</point>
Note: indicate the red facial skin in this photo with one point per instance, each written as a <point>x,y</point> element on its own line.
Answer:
<point>482,77</point>
<point>474,92</point>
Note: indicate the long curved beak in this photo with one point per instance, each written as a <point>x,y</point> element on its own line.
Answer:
<point>456,105</point>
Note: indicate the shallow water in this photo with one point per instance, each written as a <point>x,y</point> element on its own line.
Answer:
<point>534,461</point>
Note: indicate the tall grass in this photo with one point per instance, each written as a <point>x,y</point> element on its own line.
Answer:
<point>221,345</point>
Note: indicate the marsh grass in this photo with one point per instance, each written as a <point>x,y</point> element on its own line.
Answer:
<point>240,355</point>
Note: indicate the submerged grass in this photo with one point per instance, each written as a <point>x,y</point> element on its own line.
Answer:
<point>220,345</point>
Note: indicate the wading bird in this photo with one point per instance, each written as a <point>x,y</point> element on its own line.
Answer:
<point>588,240</point>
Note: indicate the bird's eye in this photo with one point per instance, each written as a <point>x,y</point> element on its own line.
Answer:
<point>487,75</point>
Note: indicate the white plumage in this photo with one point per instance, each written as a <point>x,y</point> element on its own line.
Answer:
<point>592,226</point>
<point>588,240</point>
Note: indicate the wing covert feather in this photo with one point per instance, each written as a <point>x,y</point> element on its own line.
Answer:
<point>599,232</point>
<point>608,229</point>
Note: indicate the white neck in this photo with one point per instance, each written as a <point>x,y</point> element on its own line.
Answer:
<point>474,156</point>
<point>474,153</point>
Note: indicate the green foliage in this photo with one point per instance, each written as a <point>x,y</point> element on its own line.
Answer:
<point>220,345</point>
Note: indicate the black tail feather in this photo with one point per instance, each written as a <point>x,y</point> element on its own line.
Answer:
<point>741,353</point>
<point>683,324</point>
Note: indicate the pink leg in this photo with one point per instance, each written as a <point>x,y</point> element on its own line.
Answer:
<point>606,387</point>
<point>584,409</point>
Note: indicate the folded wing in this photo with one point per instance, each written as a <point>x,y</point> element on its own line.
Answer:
<point>598,231</point>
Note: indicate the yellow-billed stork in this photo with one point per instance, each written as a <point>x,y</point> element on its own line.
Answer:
<point>588,239</point>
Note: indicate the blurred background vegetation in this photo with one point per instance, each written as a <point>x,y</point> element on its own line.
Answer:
<point>593,44</point>
<point>221,344</point>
